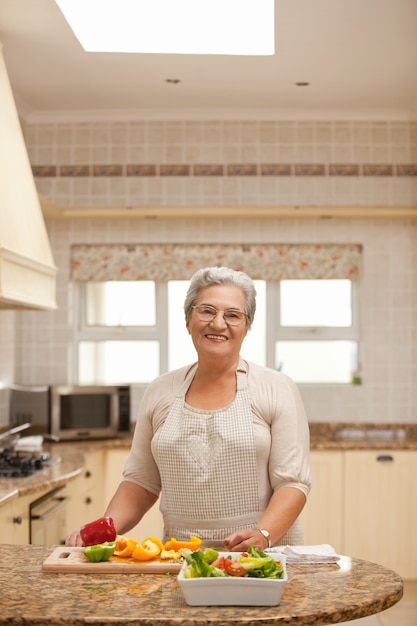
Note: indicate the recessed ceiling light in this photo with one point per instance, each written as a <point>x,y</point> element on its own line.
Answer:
<point>235,27</point>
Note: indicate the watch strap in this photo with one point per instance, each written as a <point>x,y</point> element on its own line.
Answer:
<point>266,534</point>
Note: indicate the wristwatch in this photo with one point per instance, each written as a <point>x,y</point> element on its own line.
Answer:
<point>266,534</point>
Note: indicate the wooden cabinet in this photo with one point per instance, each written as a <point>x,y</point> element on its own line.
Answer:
<point>6,523</point>
<point>364,504</point>
<point>151,523</point>
<point>86,492</point>
<point>14,519</point>
<point>381,508</point>
<point>322,517</point>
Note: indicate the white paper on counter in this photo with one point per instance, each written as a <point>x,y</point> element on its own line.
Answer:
<point>323,553</point>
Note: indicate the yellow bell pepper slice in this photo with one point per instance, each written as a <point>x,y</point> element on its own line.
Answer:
<point>148,549</point>
<point>174,544</point>
<point>125,546</point>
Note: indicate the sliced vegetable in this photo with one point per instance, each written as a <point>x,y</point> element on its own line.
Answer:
<point>171,555</point>
<point>210,555</point>
<point>253,563</point>
<point>175,544</point>
<point>125,546</point>
<point>98,531</point>
<point>148,549</point>
<point>197,567</point>
<point>100,552</point>
<point>228,565</point>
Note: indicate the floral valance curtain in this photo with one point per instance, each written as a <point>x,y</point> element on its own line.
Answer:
<point>162,262</point>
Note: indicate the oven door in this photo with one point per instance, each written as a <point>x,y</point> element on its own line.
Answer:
<point>47,519</point>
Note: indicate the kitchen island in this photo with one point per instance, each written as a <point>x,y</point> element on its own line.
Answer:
<point>315,594</point>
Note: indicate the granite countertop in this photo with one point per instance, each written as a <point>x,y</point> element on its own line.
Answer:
<point>362,436</point>
<point>315,594</point>
<point>71,464</point>
<point>323,436</point>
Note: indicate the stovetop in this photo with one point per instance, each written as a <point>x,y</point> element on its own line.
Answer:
<point>14,464</point>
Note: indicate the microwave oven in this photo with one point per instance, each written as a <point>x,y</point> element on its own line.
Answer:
<point>71,412</point>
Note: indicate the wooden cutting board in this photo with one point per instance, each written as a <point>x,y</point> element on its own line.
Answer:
<point>73,560</point>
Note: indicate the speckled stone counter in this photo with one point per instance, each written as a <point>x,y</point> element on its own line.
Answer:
<point>315,594</point>
<point>362,436</point>
<point>71,463</point>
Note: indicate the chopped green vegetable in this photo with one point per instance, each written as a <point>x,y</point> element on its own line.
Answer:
<point>100,552</point>
<point>251,564</point>
<point>210,555</point>
<point>197,566</point>
<point>260,565</point>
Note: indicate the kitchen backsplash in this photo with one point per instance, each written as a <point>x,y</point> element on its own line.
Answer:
<point>241,164</point>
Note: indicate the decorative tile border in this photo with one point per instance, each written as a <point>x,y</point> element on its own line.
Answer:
<point>343,170</point>
<point>274,169</point>
<point>242,169</point>
<point>208,170</point>
<point>75,170</point>
<point>308,169</point>
<point>230,169</point>
<point>107,170</point>
<point>174,170</point>
<point>44,171</point>
<point>378,170</point>
<point>140,170</point>
<point>406,170</point>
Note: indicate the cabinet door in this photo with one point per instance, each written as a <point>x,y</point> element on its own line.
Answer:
<point>7,523</point>
<point>14,519</point>
<point>86,493</point>
<point>151,523</point>
<point>381,508</point>
<point>322,516</point>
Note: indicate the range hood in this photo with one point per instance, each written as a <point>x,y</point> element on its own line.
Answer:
<point>27,269</point>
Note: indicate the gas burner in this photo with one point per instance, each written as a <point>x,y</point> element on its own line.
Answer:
<point>14,464</point>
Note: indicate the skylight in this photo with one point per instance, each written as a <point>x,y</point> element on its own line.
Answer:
<point>232,27</point>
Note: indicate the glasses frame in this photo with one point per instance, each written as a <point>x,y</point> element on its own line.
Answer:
<point>217,311</point>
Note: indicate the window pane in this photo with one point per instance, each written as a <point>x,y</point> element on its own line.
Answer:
<point>120,303</point>
<point>316,303</point>
<point>181,349</point>
<point>111,362</point>
<point>254,344</point>
<point>317,361</point>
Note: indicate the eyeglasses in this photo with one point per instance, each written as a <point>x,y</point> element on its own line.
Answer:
<point>207,313</point>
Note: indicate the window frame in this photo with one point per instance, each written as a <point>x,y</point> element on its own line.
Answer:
<point>275,332</point>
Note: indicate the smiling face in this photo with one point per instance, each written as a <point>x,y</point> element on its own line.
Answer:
<point>216,338</point>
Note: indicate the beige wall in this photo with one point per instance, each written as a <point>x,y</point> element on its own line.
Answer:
<point>42,350</point>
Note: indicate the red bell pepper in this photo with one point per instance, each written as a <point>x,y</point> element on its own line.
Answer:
<point>98,531</point>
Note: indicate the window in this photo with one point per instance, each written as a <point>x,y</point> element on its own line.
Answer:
<point>132,331</point>
<point>316,338</point>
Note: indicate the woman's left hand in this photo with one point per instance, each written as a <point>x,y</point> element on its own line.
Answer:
<point>240,541</point>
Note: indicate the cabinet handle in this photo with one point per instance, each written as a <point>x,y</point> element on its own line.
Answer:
<point>385,458</point>
<point>88,474</point>
<point>17,520</point>
<point>88,500</point>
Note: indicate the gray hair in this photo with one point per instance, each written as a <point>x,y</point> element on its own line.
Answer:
<point>221,276</point>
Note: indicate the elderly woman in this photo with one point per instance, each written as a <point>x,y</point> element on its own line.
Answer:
<point>225,442</point>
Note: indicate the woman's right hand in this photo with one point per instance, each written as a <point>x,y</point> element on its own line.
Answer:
<point>74,539</point>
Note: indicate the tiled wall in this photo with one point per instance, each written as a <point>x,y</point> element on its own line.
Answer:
<point>277,163</point>
<point>226,163</point>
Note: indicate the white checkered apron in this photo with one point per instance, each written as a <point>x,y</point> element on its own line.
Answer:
<point>200,455</point>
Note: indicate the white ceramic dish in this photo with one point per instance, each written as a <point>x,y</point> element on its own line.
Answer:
<point>233,590</point>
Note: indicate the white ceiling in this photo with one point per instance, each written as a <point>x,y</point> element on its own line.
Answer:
<point>359,56</point>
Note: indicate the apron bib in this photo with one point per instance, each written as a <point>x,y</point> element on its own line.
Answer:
<point>205,492</point>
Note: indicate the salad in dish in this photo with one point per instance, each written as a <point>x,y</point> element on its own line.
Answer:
<point>208,563</point>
